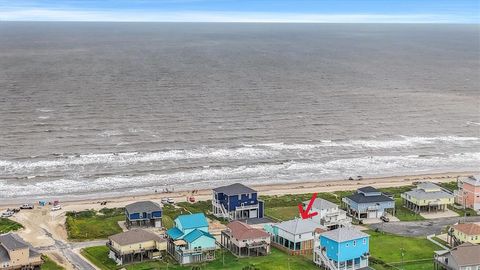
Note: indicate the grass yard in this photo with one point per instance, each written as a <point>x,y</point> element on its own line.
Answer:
<point>282,213</point>
<point>449,185</point>
<point>388,247</point>
<point>49,264</point>
<point>7,225</point>
<point>169,214</point>
<point>99,257</point>
<point>276,260</point>
<point>89,224</point>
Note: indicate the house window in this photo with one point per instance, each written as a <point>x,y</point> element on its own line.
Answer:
<point>354,243</point>
<point>364,241</point>
<point>346,245</point>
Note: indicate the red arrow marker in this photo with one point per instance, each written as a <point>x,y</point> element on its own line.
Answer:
<point>305,213</point>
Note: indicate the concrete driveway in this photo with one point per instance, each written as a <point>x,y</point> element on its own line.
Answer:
<point>420,228</point>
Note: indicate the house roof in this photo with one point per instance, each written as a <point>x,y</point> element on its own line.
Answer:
<point>421,194</point>
<point>468,228</point>
<point>4,257</point>
<point>134,236</point>
<point>12,241</point>
<point>234,189</point>
<point>473,180</point>
<point>320,203</point>
<point>143,206</point>
<point>368,189</point>
<point>243,231</point>
<point>192,221</point>
<point>466,254</point>
<point>195,234</point>
<point>429,186</point>
<point>298,226</point>
<point>174,233</point>
<point>361,198</point>
<point>344,234</point>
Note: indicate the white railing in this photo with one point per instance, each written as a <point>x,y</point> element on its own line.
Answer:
<point>326,261</point>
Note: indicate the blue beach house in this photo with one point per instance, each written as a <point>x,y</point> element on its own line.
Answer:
<point>345,248</point>
<point>189,240</point>
<point>368,202</point>
<point>143,214</point>
<point>236,202</point>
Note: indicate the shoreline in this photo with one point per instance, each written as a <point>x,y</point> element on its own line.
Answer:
<point>330,185</point>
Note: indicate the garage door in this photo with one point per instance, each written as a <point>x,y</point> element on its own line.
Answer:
<point>253,213</point>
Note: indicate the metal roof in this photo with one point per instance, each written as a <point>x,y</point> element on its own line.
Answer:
<point>134,236</point>
<point>421,194</point>
<point>174,233</point>
<point>320,203</point>
<point>344,234</point>
<point>143,206</point>
<point>234,189</point>
<point>298,226</point>
<point>195,234</point>
<point>192,221</point>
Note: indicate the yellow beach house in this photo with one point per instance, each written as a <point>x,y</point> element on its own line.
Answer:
<point>135,246</point>
<point>464,233</point>
<point>427,197</point>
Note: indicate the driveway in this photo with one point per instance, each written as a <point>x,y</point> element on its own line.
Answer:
<point>420,228</point>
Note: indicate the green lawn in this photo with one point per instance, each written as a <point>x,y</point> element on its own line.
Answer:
<point>276,260</point>
<point>450,185</point>
<point>201,207</point>
<point>50,265</point>
<point>388,247</point>
<point>282,213</point>
<point>7,225</point>
<point>169,214</point>
<point>90,224</point>
<point>99,256</point>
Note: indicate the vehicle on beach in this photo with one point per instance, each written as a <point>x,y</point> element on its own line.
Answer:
<point>170,201</point>
<point>384,219</point>
<point>27,206</point>
<point>164,200</point>
<point>56,207</point>
<point>7,214</point>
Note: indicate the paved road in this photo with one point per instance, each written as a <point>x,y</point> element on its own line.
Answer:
<point>420,228</point>
<point>66,249</point>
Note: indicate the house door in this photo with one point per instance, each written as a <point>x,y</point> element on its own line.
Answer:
<point>253,213</point>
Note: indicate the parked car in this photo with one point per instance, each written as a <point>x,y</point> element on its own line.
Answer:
<point>170,200</point>
<point>384,219</point>
<point>7,214</point>
<point>27,206</point>
<point>164,200</point>
<point>56,207</point>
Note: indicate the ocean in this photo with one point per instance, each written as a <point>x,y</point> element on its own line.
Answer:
<point>125,108</point>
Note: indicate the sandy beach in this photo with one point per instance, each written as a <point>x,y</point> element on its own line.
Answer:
<point>273,189</point>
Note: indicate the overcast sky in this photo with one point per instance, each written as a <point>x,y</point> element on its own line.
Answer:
<point>331,11</point>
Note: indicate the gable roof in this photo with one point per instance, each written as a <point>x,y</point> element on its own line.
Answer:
<point>344,234</point>
<point>134,236</point>
<point>320,203</point>
<point>195,234</point>
<point>143,206</point>
<point>468,228</point>
<point>234,189</point>
<point>243,231</point>
<point>12,241</point>
<point>192,221</point>
<point>368,189</point>
<point>361,198</point>
<point>174,233</point>
<point>466,254</point>
<point>298,226</point>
